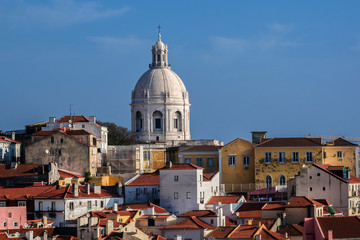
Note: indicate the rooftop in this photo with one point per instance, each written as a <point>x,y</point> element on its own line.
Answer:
<point>302,201</point>
<point>342,226</point>
<point>290,142</point>
<point>147,179</point>
<point>224,199</point>
<point>190,223</point>
<point>199,213</point>
<point>202,149</point>
<point>181,166</point>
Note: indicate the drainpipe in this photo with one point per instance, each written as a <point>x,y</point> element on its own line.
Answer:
<point>219,164</point>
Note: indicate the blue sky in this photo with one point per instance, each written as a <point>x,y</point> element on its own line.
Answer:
<point>286,67</point>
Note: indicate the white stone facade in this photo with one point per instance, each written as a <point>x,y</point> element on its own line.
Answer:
<point>160,108</point>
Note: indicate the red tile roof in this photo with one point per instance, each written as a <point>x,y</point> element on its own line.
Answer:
<point>67,174</point>
<point>302,201</point>
<point>325,168</point>
<point>66,192</point>
<point>292,230</point>
<point>141,206</point>
<point>155,216</point>
<point>36,232</point>
<point>73,118</point>
<point>274,206</point>
<point>208,176</point>
<point>199,213</point>
<point>267,234</point>
<point>22,192</point>
<point>20,170</point>
<point>202,149</point>
<point>8,140</point>
<point>146,179</point>
<point>341,142</point>
<point>158,237</point>
<point>190,223</point>
<point>343,226</point>
<point>181,166</point>
<point>290,142</point>
<point>268,222</point>
<point>249,210</point>
<point>221,232</point>
<point>224,199</point>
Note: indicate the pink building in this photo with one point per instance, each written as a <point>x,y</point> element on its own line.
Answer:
<point>12,217</point>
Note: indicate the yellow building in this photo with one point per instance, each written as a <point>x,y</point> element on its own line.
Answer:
<point>237,165</point>
<point>279,159</point>
<point>202,156</point>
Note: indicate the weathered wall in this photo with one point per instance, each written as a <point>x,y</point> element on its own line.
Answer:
<point>204,155</point>
<point>348,158</point>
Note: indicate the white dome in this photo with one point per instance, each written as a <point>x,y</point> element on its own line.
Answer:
<point>160,83</point>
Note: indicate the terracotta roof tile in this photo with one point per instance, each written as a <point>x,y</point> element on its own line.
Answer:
<point>73,118</point>
<point>202,149</point>
<point>146,179</point>
<point>141,206</point>
<point>249,210</point>
<point>341,142</point>
<point>224,199</point>
<point>67,174</point>
<point>291,142</point>
<point>8,140</point>
<point>325,168</point>
<point>274,206</point>
<point>343,226</point>
<point>66,192</point>
<point>208,176</point>
<point>221,232</point>
<point>302,201</point>
<point>292,230</point>
<point>181,166</point>
<point>20,170</point>
<point>22,192</point>
<point>267,234</point>
<point>158,237</point>
<point>190,223</point>
<point>199,213</point>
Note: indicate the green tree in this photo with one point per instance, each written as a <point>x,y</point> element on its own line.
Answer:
<point>118,135</point>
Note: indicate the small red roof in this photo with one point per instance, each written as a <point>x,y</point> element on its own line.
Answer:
<point>302,201</point>
<point>274,206</point>
<point>73,118</point>
<point>202,149</point>
<point>8,140</point>
<point>20,170</point>
<point>341,142</point>
<point>199,213</point>
<point>146,179</point>
<point>181,166</point>
<point>67,174</point>
<point>190,223</point>
<point>22,192</point>
<point>141,206</point>
<point>292,230</point>
<point>208,176</point>
<point>291,142</point>
<point>344,227</point>
<point>66,192</point>
<point>224,199</point>
<point>249,210</point>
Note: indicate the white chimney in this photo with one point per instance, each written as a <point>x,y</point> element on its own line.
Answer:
<point>29,235</point>
<point>13,135</point>
<point>51,120</point>
<point>92,119</point>
<point>109,227</point>
<point>115,208</point>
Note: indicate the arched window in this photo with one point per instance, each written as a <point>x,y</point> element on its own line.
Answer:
<point>282,180</point>
<point>139,122</point>
<point>178,121</point>
<point>268,181</point>
<point>158,121</point>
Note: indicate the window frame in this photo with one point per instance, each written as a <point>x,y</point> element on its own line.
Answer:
<point>339,154</point>
<point>294,155</point>
<point>211,161</point>
<point>176,195</point>
<point>246,160</point>
<point>281,160</point>
<point>232,160</point>
<point>201,159</point>
<point>268,157</point>
<point>306,156</point>
<point>176,178</point>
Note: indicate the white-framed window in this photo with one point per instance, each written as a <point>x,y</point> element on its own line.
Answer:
<point>16,224</point>
<point>210,161</point>
<point>176,178</point>
<point>188,195</point>
<point>309,157</point>
<point>157,115</point>
<point>268,157</point>
<point>2,204</point>
<point>339,154</point>
<point>53,206</point>
<point>232,160</point>
<point>4,224</point>
<point>71,206</point>
<point>187,160</point>
<point>282,180</point>
<point>40,206</point>
<point>246,160</point>
<point>199,161</point>
<point>89,205</point>
<point>295,157</point>
<point>176,195</point>
<point>281,157</point>
<point>268,181</point>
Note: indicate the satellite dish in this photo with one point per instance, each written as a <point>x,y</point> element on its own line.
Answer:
<point>237,214</point>
<point>47,151</point>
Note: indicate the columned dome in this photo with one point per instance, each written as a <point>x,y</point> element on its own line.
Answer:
<point>160,103</point>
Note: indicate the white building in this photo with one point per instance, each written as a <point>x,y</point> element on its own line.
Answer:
<point>333,183</point>
<point>63,205</point>
<point>9,149</point>
<point>185,187</point>
<point>143,188</point>
<point>160,108</point>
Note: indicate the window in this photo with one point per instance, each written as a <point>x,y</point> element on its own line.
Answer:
<point>324,154</point>
<point>232,160</point>
<point>9,215</point>
<point>324,188</point>
<point>246,160</point>
<point>101,204</point>
<point>318,174</point>
<point>268,157</point>
<point>310,189</point>
<point>145,190</point>
<point>211,221</point>
<point>146,155</point>
<point>4,224</point>
<point>176,178</point>
<point>96,203</point>
<point>210,162</point>
<point>339,154</point>
<point>52,140</point>
<point>61,140</point>
<point>295,157</point>
<point>188,195</point>
<point>187,160</point>
<point>268,181</point>
<point>22,204</point>
<point>89,205</point>
<point>157,116</point>
<point>83,126</point>
<point>309,157</point>
<point>40,206</point>
<point>15,224</point>
<point>59,152</point>
<point>176,195</point>
<point>282,180</point>
<point>310,177</point>
<point>2,204</point>
<point>281,157</point>
<point>154,191</point>
<point>139,121</point>
<point>177,121</point>
<point>52,206</point>
<point>71,206</point>
<point>138,191</point>
<point>151,222</point>
<point>199,162</point>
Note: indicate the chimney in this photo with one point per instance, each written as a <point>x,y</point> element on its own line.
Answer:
<point>51,120</point>
<point>87,188</point>
<point>115,208</point>
<point>97,189</point>
<point>45,237</point>
<point>44,221</point>
<point>75,189</point>
<point>177,237</point>
<point>92,119</point>
<point>109,227</point>
<point>330,235</point>
<point>29,235</point>
<point>257,137</point>
<point>13,135</point>
<point>286,235</point>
